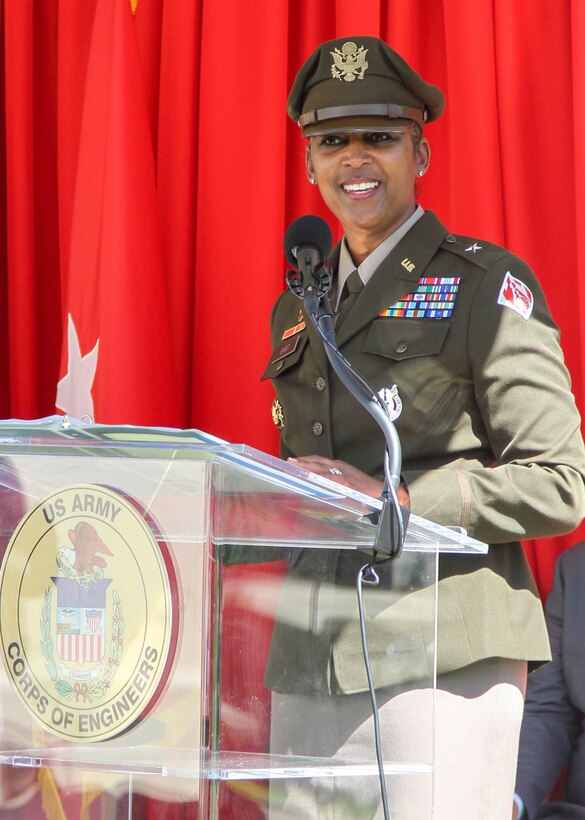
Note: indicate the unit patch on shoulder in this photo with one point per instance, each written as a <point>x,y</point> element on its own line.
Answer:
<point>514,294</point>
<point>432,298</point>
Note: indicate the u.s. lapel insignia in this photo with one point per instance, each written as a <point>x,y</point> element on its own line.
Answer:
<point>392,400</point>
<point>514,294</point>
<point>432,298</point>
<point>278,414</point>
<point>349,62</point>
<point>473,248</point>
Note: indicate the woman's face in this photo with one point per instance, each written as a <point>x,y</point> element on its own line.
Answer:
<point>367,179</point>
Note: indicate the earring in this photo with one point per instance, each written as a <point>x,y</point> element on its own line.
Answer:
<point>312,181</point>
<point>421,172</point>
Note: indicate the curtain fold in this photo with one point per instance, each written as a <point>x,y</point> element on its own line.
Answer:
<point>20,306</point>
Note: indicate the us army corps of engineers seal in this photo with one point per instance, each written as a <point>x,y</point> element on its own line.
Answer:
<point>88,621</point>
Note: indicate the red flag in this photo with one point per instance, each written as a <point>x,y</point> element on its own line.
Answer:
<point>116,360</point>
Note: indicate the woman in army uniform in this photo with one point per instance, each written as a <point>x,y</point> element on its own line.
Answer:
<point>454,332</point>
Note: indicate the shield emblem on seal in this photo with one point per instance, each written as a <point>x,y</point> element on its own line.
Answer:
<point>81,619</point>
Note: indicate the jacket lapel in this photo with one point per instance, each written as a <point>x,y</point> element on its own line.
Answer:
<point>396,276</point>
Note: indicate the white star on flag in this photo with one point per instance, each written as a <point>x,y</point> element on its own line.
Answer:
<point>74,389</point>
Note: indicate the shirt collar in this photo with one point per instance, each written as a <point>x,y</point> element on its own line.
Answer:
<point>371,263</point>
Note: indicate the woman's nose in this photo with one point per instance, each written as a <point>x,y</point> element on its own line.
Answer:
<point>356,152</point>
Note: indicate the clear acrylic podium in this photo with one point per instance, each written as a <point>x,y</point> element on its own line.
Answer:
<point>235,622</point>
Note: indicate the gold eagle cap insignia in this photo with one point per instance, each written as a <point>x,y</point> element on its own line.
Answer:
<point>349,62</point>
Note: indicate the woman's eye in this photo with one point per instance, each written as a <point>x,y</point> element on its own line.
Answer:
<point>332,139</point>
<point>383,136</point>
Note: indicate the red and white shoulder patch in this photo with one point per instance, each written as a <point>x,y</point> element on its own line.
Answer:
<point>514,294</point>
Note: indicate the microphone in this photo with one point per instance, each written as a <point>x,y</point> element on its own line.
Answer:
<point>307,244</point>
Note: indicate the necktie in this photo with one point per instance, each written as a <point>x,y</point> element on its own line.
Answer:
<point>349,293</point>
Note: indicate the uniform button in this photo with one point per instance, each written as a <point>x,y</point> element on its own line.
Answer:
<point>451,239</point>
<point>320,383</point>
<point>316,428</point>
<point>401,347</point>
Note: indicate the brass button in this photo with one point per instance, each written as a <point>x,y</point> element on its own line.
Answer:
<point>317,428</point>
<point>401,347</point>
<point>320,383</point>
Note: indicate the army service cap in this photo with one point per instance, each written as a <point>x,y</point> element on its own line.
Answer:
<point>360,83</point>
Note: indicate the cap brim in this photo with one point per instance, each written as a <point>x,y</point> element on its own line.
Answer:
<point>334,126</point>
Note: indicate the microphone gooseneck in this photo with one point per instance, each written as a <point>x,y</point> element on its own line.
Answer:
<point>307,243</point>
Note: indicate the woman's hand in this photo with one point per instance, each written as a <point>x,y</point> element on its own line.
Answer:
<point>348,475</point>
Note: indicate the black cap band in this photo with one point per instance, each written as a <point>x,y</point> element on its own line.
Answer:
<point>388,110</point>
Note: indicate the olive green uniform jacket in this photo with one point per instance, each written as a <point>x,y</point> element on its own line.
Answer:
<point>490,439</point>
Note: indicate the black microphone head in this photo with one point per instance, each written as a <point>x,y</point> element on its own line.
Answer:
<point>307,230</point>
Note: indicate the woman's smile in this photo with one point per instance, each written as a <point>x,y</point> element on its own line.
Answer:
<point>360,188</point>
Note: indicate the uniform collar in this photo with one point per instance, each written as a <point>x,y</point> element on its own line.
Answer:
<point>396,274</point>
<point>371,263</point>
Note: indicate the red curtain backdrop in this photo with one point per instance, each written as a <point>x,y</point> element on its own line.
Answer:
<point>148,173</point>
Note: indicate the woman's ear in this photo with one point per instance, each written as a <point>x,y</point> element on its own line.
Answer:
<point>423,157</point>
<point>309,165</point>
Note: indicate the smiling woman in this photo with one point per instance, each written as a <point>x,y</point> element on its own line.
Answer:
<point>367,179</point>
<point>454,335</point>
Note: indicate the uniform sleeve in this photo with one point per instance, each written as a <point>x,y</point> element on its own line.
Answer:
<point>535,485</point>
<point>551,722</point>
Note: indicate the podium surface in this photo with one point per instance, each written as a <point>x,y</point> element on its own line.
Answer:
<point>158,585</point>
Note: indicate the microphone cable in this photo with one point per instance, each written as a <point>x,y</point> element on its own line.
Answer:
<point>369,577</point>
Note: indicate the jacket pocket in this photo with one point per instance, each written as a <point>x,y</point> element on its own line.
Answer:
<point>400,339</point>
